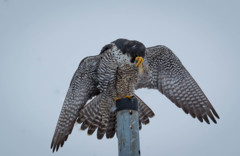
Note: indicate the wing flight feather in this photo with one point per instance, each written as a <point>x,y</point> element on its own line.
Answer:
<point>164,71</point>
<point>82,88</point>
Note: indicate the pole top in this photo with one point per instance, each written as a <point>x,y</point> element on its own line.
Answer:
<point>127,104</point>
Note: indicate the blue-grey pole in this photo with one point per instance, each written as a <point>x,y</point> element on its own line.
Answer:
<point>128,127</point>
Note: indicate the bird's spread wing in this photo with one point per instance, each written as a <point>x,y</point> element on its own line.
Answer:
<point>82,87</point>
<point>166,73</point>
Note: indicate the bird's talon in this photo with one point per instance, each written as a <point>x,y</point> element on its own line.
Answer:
<point>129,97</point>
<point>117,98</point>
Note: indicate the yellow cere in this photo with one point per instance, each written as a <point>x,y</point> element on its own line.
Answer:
<point>139,61</point>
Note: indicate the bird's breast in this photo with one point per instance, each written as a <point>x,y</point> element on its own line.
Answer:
<point>126,80</point>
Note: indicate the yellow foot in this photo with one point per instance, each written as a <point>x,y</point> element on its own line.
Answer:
<point>139,61</point>
<point>129,97</point>
<point>117,98</point>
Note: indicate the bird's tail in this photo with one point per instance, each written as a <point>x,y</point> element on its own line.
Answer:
<point>100,114</point>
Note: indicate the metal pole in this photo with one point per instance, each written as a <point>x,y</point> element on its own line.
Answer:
<point>128,127</point>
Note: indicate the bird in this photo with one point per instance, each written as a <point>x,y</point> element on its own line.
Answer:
<point>120,68</point>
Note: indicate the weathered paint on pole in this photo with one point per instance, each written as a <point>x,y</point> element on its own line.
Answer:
<point>128,128</point>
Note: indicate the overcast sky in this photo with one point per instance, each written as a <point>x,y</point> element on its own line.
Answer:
<point>42,43</point>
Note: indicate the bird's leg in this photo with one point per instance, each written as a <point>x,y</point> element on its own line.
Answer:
<point>139,61</point>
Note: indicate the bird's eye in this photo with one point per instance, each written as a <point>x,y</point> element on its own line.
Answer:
<point>133,59</point>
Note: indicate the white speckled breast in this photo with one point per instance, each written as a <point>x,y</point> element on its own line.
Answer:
<point>126,76</point>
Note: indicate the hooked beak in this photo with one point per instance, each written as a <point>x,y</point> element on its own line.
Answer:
<point>139,60</point>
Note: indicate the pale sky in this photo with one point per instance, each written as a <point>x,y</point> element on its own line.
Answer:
<point>42,43</point>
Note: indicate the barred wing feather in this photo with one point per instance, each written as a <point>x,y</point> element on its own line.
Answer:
<point>166,73</point>
<point>82,88</point>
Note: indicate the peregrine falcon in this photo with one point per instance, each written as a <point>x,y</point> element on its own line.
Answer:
<point>122,67</point>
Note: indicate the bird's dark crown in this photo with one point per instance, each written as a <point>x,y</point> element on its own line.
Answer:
<point>130,47</point>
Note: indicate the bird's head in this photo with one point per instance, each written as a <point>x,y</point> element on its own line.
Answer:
<point>134,49</point>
